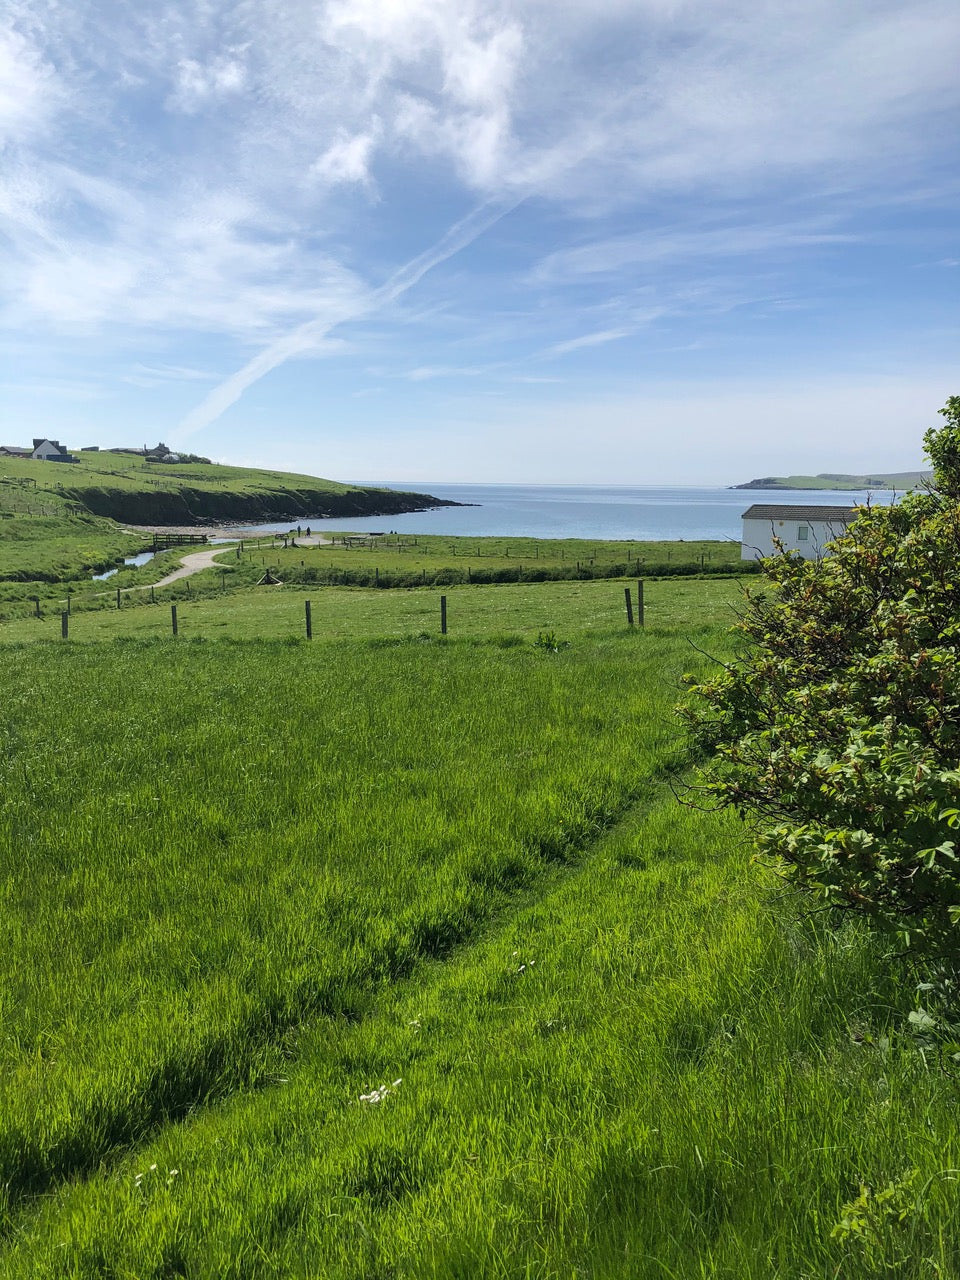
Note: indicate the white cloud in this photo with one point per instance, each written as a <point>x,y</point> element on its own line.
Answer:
<point>313,335</point>
<point>598,339</point>
<point>347,160</point>
<point>198,84</point>
<point>658,246</point>
<point>233,211</point>
<point>29,91</point>
<point>481,72</point>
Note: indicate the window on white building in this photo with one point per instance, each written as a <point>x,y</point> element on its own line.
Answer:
<point>803,533</point>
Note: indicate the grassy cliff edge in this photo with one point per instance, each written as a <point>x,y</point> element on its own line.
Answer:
<point>133,490</point>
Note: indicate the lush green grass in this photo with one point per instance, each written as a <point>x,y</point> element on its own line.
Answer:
<point>249,882</point>
<point>214,842</point>
<point>132,473</point>
<point>49,557</point>
<point>647,1066</point>
<point>442,561</point>
<point>564,608</point>
<point>412,553</point>
<point>38,552</point>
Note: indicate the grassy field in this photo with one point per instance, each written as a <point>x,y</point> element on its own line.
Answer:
<point>286,781</point>
<point>402,561</point>
<point>205,611</point>
<point>133,473</point>
<point>390,956</point>
<point>51,558</point>
<point>258,882</point>
<point>405,553</point>
<point>40,552</point>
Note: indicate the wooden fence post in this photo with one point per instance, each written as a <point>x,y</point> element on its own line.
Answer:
<point>309,619</point>
<point>64,624</point>
<point>626,594</point>
<point>173,617</point>
<point>36,603</point>
<point>639,602</point>
<point>118,597</point>
<point>443,615</point>
<point>152,597</point>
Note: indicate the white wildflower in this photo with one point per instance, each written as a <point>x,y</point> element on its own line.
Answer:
<point>378,1095</point>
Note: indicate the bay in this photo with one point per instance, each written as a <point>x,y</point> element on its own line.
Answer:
<point>643,513</point>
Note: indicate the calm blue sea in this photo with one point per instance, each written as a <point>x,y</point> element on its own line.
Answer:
<point>646,514</point>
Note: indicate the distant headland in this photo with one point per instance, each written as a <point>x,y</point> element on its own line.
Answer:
<point>900,480</point>
<point>156,486</point>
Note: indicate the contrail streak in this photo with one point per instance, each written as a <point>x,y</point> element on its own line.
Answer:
<point>308,335</point>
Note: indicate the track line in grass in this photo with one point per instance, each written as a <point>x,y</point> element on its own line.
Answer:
<point>337,1002</point>
<point>349,1007</point>
<point>672,1078</point>
<point>205,1067</point>
<point>193,1084</point>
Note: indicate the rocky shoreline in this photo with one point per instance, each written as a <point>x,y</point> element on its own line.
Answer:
<point>194,509</point>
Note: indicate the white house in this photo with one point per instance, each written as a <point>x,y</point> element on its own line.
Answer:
<point>51,451</point>
<point>806,530</point>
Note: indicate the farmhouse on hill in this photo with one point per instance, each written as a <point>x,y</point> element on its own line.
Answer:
<point>51,451</point>
<point>803,529</point>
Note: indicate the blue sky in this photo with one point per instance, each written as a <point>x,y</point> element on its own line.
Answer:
<point>640,241</point>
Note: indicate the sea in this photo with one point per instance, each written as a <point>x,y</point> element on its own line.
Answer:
<point>644,513</point>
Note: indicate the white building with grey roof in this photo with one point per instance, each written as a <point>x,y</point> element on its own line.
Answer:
<point>803,529</point>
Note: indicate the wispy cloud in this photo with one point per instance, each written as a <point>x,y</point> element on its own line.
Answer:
<point>660,246</point>
<point>598,339</point>
<point>246,175</point>
<point>197,83</point>
<point>311,336</point>
<point>29,90</point>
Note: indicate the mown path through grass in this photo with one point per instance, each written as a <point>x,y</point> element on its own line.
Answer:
<point>216,843</point>
<point>645,1066</point>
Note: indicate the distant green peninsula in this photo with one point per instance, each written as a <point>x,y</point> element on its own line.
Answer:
<point>900,480</point>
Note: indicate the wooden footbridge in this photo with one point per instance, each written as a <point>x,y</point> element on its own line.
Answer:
<point>163,541</point>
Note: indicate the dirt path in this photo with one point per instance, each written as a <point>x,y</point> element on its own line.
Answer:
<point>197,561</point>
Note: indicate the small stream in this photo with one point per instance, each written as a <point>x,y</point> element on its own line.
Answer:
<point>134,561</point>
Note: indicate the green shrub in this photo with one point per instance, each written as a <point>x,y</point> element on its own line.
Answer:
<point>837,730</point>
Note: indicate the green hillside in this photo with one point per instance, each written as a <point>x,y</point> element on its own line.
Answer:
<point>899,480</point>
<point>130,488</point>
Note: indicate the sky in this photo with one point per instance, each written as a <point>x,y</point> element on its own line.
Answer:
<point>555,241</point>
